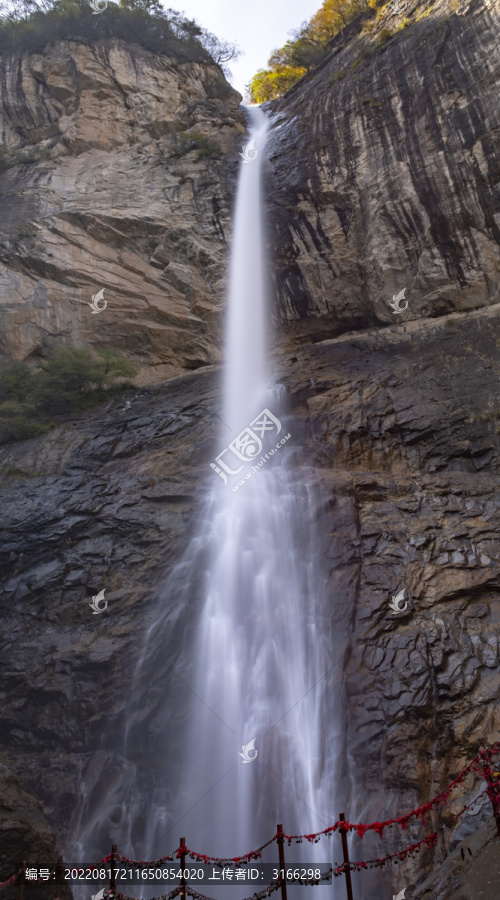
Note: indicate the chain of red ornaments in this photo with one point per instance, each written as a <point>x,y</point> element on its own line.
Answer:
<point>482,763</point>
<point>353,866</point>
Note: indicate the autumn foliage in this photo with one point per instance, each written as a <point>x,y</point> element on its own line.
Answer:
<point>305,49</point>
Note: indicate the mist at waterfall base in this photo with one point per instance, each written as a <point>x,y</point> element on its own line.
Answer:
<point>240,646</point>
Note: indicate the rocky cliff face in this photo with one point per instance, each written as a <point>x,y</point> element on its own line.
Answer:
<point>384,173</point>
<point>111,181</point>
<point>114,497</point>
<point>384,166</point>
<point>405,426</point>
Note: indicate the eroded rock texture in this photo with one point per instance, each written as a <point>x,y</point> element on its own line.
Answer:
<point>409,447</point>
<point>108,502</point>
<point>384,173</point>
<point>111,199</point>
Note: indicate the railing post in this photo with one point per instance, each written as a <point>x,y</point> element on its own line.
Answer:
<point>59,868</point>
<point>345,851</point>
<point>182,846</point>
<point>112,881</point>
<point>281,852</point>
<point>22,879</point>
<point>491,778</point>
<point>494,800</point>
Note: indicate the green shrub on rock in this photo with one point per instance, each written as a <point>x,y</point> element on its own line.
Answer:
<point>31,24</point>
<point>185,142</point>
<point>74,380</point>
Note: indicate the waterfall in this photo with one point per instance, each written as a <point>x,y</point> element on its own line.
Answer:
<point>261,667</point>
<point>240,652</point>
<point>246,373</point>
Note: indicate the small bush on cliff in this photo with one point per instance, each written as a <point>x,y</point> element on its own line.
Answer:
<point>10,158</point>
<point>185,142</point>
<point>337,76</point>
<point>218,89</point>
<point>384,36</point>
<point>307,47</point>
<point>31,401</point>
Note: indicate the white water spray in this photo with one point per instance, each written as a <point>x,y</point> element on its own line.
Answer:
<point>262,661</point>
<point>246,374</point>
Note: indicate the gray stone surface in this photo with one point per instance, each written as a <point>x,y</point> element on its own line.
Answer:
<point>105,203</point>
<point>383,172</point>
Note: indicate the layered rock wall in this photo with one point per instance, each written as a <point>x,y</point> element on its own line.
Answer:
<point>384,166</point>
<point>102,188</point>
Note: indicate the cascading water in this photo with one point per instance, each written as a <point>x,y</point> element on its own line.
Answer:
<point>259,663</point>
<point>263,641</point>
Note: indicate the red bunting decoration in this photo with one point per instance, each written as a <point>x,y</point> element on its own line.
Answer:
<point>482,763</point>
<point>144,863</point>
<point>11,879</point>
<point>429,840</point>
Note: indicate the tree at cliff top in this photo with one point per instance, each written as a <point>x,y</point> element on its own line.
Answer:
<point>306,48</point>
<point>31,24</point>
